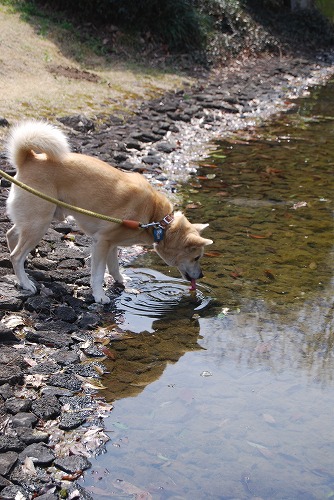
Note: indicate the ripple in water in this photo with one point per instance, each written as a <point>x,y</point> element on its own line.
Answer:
<point>150,295</point>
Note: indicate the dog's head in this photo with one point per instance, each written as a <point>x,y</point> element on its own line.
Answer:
<point>183,247</point>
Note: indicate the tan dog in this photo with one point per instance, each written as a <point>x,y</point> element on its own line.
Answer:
<point>42,157</point>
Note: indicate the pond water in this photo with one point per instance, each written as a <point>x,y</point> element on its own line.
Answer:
<point>227,393</point>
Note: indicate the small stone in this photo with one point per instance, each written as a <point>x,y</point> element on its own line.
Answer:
<point>12,492</point>
<point>24,420</point>
<point>16,405</point>
<point>46,407</point>
<point>40,453</point>
<point>29,436</point>
<point>67,381</point>
<point>72,464</point>
<point>7,461</point>
<point>72,420</point>
<point>10,443</point>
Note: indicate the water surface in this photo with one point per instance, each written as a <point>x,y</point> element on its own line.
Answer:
<point>227,393</point>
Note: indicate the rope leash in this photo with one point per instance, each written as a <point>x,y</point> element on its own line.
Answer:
<point>131,224</point>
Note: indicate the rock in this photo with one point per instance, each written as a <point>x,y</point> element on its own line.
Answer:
<point>23,419</point>
<point>11,374</point>
<point>3,122</point>
<point>46,407</point>
<point>7,462</point>
<point>38,304</point>
<point>53,339</point>
<point>72,464</point>
<point>17,405</point>
<point>11,299</point>
<point>4,482</point>
<point>40,453</point>
<point>66,313</point>
<point>13,492</point>
<point>10,443</point>
<point>6,391</point>
<point>67,381</point>
<point>29,436</point>
<point>166,147</point>
<point>66,357</point>
<point>6,334</point>
<point>78,122</point>
<point>70,421</point>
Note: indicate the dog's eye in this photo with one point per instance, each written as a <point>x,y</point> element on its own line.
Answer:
<point>197,258</point>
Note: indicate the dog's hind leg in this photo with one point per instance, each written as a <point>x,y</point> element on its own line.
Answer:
<point>20,242</point>
<point>12,238</point>
<point>113,266</point>
<point>100,251</point>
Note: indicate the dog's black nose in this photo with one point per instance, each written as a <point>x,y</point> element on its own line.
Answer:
<point>201,275</point>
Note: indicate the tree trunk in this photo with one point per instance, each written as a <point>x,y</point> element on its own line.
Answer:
<point>302,4</point>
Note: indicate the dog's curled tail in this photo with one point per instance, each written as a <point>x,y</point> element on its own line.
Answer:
<point>37,136</point>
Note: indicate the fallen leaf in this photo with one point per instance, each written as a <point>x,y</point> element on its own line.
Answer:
<point>193,206</point>
<point>260,236</point>
<point>28,467</point>
<point>212,254</point>
<point>108,353</point>
<point>299,204</point>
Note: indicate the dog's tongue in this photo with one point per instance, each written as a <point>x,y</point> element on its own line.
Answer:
<point>193,285</point>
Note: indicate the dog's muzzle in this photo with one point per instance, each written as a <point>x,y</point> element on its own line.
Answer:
<point>189,278</point>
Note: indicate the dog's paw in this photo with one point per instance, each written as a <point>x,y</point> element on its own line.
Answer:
<point>101,298</point>
<point>29,286</point>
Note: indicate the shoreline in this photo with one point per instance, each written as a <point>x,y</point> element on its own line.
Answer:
<point>53,343</point>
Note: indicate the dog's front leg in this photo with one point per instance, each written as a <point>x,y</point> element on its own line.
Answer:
<point>113,266</point>
<point>98,266</point>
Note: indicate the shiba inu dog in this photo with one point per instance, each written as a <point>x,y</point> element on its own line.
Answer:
<point>41,155</point>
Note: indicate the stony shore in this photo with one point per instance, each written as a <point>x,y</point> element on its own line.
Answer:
<point>53,344</point>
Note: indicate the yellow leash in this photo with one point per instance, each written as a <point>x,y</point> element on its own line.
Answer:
<point>132,224</point>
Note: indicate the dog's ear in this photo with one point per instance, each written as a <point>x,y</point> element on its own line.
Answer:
<point>200,227</point>
<point>197,241</point>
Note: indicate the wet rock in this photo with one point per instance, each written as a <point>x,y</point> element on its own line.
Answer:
<point>70,421</point>
<point>72,464</point>
<point>86,370</point>
<point>46,407</point>
<point>23,419</point>
<point>45,368</point>
<point>56,391</point>
<point>7,462</point>
<point>78,402</point>
<point>40,453</point>
<point>67,381</point>
<point>66,357</point>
